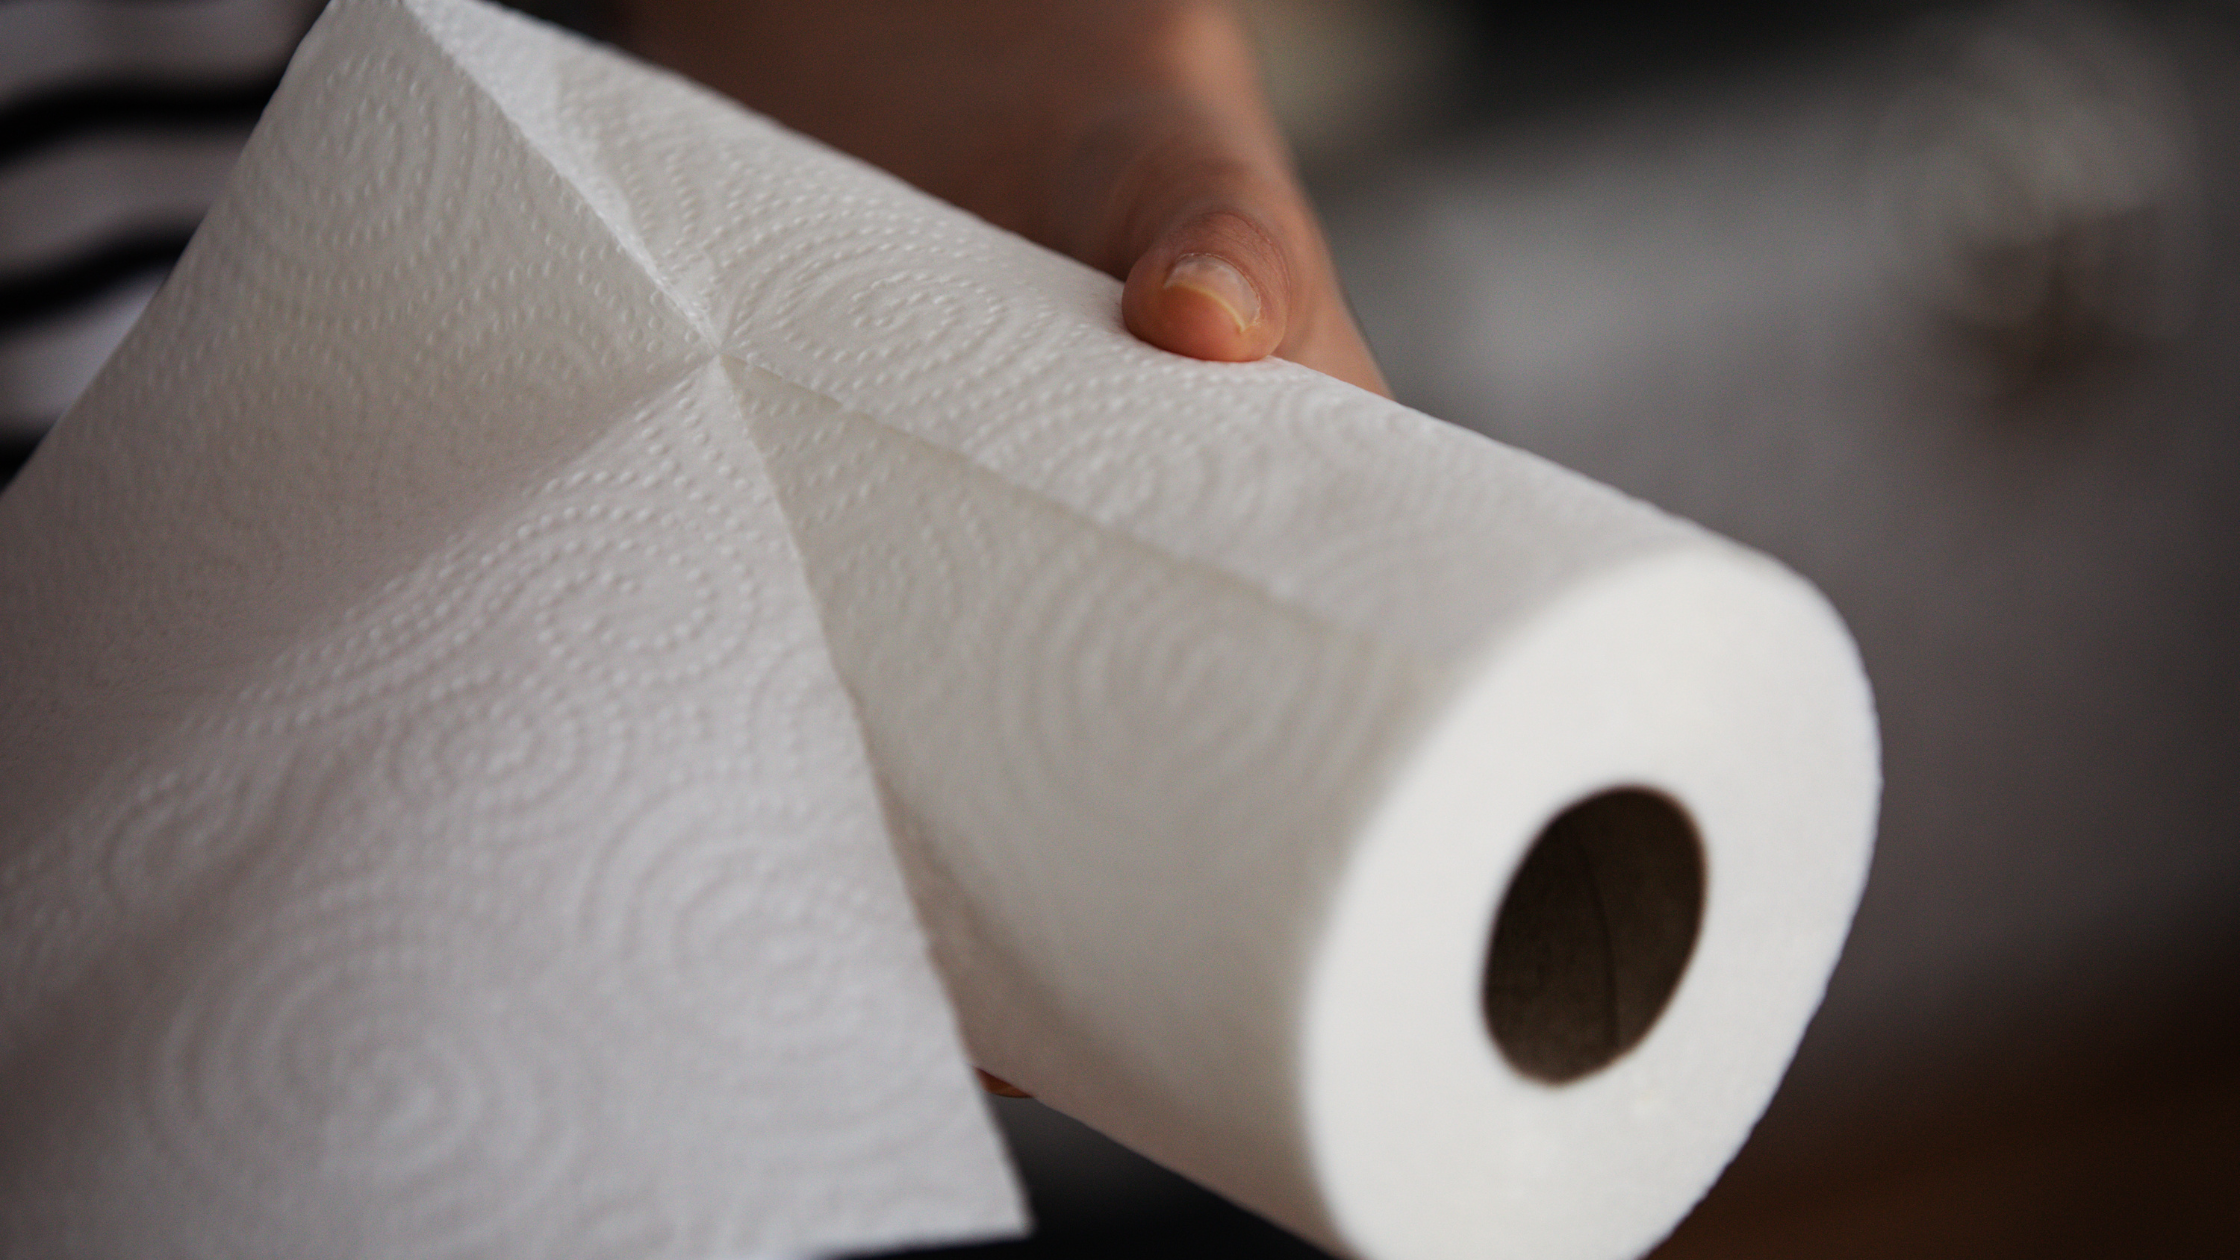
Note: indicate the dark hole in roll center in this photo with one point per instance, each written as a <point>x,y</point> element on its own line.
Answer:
<point>1594,933</point>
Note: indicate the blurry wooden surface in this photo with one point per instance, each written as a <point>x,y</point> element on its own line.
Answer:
<point>2119,1136</point>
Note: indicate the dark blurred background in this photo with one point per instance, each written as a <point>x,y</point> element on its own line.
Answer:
<point>1938,303</point>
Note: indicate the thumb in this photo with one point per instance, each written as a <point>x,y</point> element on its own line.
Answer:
<point>1235,269</point>
<point>1213,284</point>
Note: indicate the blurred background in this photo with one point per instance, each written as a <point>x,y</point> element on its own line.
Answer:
<point>1938,303</point>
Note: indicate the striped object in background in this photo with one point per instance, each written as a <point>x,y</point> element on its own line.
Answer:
<point>119,120</point>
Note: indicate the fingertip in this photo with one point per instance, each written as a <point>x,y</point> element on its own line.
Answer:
<point>1208,286</point>
<point>1202,302</point>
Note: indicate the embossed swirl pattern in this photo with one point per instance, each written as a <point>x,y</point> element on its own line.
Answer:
<point>334,1052</point>
<point>559,823</point>
<point>842,281</point>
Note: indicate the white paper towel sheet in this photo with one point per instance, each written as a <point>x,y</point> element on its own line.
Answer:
<point>470,650</point>
<point>434,826</point>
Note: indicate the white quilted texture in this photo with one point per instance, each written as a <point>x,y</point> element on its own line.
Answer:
<point>470,650</point>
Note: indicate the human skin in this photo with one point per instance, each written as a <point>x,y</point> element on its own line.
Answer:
<point>1130,134</point>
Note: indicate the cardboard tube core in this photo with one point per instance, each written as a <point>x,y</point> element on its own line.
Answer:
<point>1594,933</point>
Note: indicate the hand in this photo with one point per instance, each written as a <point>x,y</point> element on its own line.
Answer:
<point>1130,134</point>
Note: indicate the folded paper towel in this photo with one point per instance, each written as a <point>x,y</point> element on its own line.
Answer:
<point>465,646</point>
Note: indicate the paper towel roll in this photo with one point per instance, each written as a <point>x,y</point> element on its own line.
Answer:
<point>1426,847</point>
<point>1212,845</point>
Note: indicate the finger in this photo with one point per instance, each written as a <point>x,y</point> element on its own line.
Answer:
<point>1242,276</point>
<point>1214,284</point>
